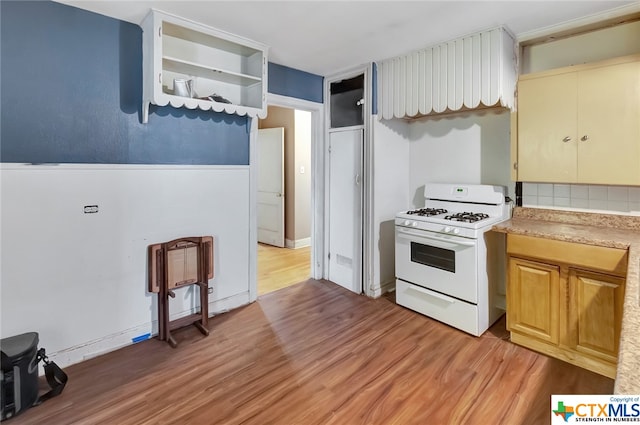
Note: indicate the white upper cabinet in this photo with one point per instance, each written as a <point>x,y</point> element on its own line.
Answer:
<point>187,64</point>
<point>471,72</point>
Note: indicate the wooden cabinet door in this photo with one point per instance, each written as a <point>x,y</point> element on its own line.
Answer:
<point>547,128</point>
<point>609,124</point>
<point>594,315</point>
<point>532,299</point>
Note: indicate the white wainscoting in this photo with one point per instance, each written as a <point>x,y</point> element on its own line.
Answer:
<point>80,280</point>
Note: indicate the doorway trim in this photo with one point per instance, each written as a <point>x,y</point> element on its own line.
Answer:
<point>317,187</point>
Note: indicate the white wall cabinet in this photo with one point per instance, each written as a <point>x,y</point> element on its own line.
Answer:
<point>471,72</point>
<point>228,73</point>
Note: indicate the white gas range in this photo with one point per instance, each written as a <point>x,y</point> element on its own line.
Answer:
<point>448,265</point>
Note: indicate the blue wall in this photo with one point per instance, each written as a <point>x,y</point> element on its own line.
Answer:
<point>71,84</point>
<point>294,83</point>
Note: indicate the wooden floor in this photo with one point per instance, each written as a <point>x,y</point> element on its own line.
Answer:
<point>282,267</point>
<point>315,353</point>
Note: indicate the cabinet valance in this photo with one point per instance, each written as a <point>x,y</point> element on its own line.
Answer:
<point>471,72</point>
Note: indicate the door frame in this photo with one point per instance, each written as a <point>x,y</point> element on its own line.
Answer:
<point>317,188</point>
<point>367,171</point>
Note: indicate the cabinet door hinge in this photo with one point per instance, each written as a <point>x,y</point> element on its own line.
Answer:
<point>329,256</point>
<point>515,165</point>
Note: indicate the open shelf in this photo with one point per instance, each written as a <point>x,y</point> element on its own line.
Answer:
<point>221,64</point>
<point>191,68</point>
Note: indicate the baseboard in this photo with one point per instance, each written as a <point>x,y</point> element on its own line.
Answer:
<point>226,304</point>
<point>383,289</point>
<point>98,347</point>
<point>298,243</point>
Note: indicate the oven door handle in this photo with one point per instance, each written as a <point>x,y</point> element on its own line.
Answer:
<point>406,232</point>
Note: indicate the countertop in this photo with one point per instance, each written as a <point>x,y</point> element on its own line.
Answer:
<point>615,231</point>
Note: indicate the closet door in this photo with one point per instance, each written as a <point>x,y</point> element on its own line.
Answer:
<point>345,208</point>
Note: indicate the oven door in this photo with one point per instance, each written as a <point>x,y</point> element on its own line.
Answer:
<point>443,263</point>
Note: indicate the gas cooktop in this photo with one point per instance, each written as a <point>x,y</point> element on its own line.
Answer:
<point>427,212</point>
<point>467,217</point>
<point>443,214</point>
<point>464,210</point>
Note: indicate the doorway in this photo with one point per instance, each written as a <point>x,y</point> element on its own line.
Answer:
<point>284,199</point>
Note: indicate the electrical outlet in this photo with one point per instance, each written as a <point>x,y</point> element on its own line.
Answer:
<point>211,289</point>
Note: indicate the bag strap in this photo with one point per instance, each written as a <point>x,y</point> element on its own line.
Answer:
<point>8,408</point>
<point>56,378</point>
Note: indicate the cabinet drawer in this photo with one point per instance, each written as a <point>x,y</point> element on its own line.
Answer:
<point>456,313</point>
<point>610,260</point>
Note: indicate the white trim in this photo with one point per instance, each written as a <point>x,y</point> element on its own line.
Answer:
<point>317,178</point>
<point>383,289</point>
<point>293,102</point>
<point>298,243</point>
<point>350,128</point>
<point>253,215</point>
<point>617,12</point>
<point>368,228</point>
<point>88,350</point>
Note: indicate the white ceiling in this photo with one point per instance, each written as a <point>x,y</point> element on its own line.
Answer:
<point>324,37</point>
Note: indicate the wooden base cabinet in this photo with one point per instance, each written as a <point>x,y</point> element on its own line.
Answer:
<point>594,313</point>
<point>565,300</point>
<point>532,280</point>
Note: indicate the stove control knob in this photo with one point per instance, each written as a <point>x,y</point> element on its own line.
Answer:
<point>456,231</point>
<point>407,222</point>
<point>447,229</point>
<point>414,224</point>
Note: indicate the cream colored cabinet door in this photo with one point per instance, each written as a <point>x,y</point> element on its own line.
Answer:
<point>547,128</point>
<point>581,125</point>
<point>609,125</point>
<point>594,314</point>
<point>532,299</point>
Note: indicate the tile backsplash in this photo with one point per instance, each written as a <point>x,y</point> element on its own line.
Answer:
<point>624,199</point>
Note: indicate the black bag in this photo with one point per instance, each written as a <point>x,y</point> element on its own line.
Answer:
<point>19,376</point>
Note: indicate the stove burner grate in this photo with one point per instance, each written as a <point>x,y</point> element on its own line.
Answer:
<point>427,212</point>
<point>467,217</point>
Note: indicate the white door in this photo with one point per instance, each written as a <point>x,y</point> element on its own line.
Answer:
<point>271,186</point>
<point>345,208</point>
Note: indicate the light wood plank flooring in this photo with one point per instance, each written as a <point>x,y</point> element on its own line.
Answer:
<point>281,267</point>
<point>315,353</point>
